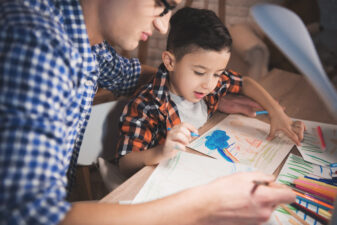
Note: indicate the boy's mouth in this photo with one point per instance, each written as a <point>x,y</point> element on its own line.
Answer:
<point>199,95</point>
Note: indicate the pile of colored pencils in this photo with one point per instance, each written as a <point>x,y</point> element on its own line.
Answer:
<point>318,192</point>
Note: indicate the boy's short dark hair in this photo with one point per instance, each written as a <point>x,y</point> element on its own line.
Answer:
<point>193,28</point>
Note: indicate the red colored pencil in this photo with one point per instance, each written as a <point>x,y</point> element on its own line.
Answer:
<point>321,137</point>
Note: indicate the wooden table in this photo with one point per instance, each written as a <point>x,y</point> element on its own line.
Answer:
<point>291,90</point>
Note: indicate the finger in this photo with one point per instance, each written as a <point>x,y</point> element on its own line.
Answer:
<point>178,146</point>
<point>181,138</point>
<point>274,195</point>
<point>292,135</point>
<point>189,128</point>
<point>180,128</point>
<point>271,135</point>
<point>299,128</point>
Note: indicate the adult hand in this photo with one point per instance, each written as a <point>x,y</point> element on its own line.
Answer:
<point>234,200</point>
<point>239,104</point>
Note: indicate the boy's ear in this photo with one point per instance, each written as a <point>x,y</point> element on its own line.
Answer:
<point>169,60</point>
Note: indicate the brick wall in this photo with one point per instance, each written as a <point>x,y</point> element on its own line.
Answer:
<point>237,11</point>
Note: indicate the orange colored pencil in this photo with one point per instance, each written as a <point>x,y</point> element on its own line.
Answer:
<point>313,200</point>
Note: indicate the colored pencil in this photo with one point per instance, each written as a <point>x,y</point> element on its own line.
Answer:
<point>310,213</point>
<point>293,222</point>
<point>321,137</point>
<point>318,182</point>
<point>287,209</point>
<point>194,134</point>
<point>305,199</point>
<point>317,189</point>
<point>324,180</point>
<point>325,213</point>
<point>261,112</point>
<point>325,200</point>
<point>257,183</point>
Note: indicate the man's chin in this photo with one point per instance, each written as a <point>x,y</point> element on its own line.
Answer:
<point>130,46</point>
<point>125,46</point>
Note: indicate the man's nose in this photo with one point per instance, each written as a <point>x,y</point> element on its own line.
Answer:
<point>162,23</point>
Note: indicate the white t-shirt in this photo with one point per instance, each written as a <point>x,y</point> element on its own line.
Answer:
<point>189,112</point>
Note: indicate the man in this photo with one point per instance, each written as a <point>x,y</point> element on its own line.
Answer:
<point>52,60</point>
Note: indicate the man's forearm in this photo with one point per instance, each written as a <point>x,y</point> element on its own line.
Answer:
<point>255,91</point>
<point>182,208</point>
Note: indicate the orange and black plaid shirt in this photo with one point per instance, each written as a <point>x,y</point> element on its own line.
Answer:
<point>145,119</point>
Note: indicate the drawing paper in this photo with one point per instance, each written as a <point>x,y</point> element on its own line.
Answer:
<point>183,171</point>
<point>241,139</point>
<point>311,150</point>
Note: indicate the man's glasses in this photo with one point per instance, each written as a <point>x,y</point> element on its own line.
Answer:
<point>167,8</point>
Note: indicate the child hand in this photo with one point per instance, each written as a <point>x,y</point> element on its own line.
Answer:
<point>293,129</point>
<point>177,138</point>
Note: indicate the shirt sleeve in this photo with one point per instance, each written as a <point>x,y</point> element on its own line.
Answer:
<point>138,125</point>
<point>118,74</point>
<point>230,82</point>
<point>35,87</point>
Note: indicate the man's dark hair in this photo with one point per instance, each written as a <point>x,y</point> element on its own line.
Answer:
<point>193,28</point>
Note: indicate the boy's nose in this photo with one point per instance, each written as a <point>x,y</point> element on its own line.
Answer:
<point>162,23</point>
<point>207,83</point>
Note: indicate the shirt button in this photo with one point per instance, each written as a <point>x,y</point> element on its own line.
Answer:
<point>108,57</point>
<point>89,83</point>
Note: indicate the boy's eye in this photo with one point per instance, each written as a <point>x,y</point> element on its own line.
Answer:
<point>159,3</point>
<point>217,75</point>
<point>199,73</point>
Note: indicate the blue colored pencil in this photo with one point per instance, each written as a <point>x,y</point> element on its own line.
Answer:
<point>261,112</point>
<point>327,181</point>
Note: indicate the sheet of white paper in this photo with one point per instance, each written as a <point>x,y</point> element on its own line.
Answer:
<point>244,141</point>
<point>311,150</point>
<point>291,36</point>
<point>184,171</point>
<point>294,167</point>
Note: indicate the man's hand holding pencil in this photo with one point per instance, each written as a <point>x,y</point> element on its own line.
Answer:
<point>246,201</point>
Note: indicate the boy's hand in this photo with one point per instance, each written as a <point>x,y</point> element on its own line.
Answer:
<point>177,138</point>
<point>281,122</point>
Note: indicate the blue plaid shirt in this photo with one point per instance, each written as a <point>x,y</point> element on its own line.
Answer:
<point>49,75</point>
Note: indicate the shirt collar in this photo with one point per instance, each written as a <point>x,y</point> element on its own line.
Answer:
<point>159,84</point>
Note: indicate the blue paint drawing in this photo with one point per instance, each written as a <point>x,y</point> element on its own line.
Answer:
<point>219,140</point>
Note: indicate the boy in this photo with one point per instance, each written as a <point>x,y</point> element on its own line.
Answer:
<point>186,91</point>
